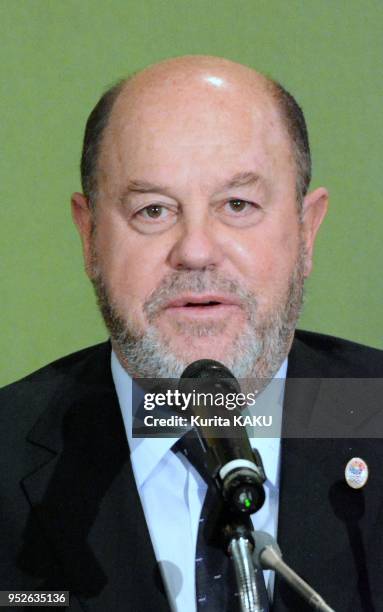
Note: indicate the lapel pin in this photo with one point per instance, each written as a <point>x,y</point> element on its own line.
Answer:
<point>356,473</point>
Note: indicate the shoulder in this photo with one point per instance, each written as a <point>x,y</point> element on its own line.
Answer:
<point>28,397</point>
<point>323,355</point>
<point>70,364</point>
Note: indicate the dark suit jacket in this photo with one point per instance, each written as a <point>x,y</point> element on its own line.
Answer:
<point>71,518</point>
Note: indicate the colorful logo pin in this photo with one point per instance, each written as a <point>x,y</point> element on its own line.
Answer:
<point>356,473</point>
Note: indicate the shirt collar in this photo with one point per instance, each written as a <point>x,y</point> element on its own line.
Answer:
<point>147,453</point>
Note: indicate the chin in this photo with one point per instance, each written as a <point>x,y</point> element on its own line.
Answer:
<point>190,349</point>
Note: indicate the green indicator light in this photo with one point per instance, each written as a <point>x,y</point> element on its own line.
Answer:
<point>247,503</point>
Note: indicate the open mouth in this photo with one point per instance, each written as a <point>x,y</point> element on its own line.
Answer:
<point>202,306</point>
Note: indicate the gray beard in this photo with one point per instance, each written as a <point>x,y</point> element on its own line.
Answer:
<point>257,351</point>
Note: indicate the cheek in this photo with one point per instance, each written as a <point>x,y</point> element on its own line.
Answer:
<point>130,265</point>
<point>266,259</point>
<point>129,276</point>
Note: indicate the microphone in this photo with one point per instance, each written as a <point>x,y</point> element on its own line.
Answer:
<point>267,555</point>
<point>236,469</point>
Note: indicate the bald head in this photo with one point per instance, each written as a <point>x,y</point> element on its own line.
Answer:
<point>189,89</point>
<point>195,71</point>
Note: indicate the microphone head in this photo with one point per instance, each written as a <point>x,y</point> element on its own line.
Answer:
<point>211,372</point>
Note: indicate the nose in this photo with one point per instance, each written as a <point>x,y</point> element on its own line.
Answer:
<point>197,246</point>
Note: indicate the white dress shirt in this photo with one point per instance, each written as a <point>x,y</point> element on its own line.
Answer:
<point>172,493</point>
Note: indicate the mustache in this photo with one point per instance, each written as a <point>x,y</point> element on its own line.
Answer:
<point>197,282</point>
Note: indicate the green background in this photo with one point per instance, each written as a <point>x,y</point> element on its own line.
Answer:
<point>57,56</point>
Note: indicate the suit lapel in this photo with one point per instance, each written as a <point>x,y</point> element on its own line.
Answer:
<point>83,493</point>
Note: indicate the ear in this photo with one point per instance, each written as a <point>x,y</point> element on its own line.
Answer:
<point>314,209</point>
<point>83,217</point>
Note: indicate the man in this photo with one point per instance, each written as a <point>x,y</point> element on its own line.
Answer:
<point>198,232</point>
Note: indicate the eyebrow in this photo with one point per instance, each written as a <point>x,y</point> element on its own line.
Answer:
<point>240,179</point>
<point>136,185</point>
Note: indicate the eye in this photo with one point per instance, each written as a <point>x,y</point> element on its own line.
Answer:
<point>154,218</point>
<point>154,211</point>
<point>236,205</point>
<point>238,212</point>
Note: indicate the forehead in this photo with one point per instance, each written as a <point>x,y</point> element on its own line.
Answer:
<point>203,126</point>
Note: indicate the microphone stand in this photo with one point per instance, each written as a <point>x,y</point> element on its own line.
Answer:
<point>240,483</point>
<point>255,551</point>
<point>240,553</point>
<point>237,471</point>
<point>240,546</point>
